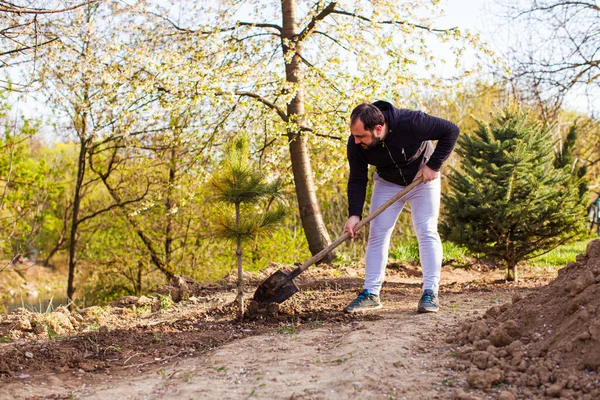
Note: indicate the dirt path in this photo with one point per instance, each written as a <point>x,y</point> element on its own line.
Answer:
<point>392,353</point>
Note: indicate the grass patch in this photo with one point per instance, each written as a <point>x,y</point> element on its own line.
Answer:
<point>165,302</point>
<point>288,329</point>
<point>407,252</point>
<point>560,256</point>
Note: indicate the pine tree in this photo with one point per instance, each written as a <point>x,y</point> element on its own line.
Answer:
<point>508,202</point>
<point>242,187</point>
<point>565,158</point>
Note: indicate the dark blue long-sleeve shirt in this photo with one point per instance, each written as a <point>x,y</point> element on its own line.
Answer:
<point>405,149</point>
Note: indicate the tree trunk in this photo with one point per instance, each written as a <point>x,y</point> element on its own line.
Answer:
<point>511,273</point>
<point>75,217</point>
<point>138,285</point>
<point>240,270</point>
<point>310,214</point>
<point>168,206</point>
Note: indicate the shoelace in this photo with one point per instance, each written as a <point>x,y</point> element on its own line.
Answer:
<point>361,297</point>
<point>427,298</point>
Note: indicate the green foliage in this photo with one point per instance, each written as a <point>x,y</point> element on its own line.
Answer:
<point>251,223</point>
<point>165,302</point>
<point>284,244</point>
<point>407,252</point>
<point>288,329</point>
<point>240,181</point>
<point>508,201</point>
<point>560,256</point>
<point>30,187</point>
<point>565,158</point>
<point>240,186</point>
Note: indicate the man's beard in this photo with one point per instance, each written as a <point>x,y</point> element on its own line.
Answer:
<point>374,142</point>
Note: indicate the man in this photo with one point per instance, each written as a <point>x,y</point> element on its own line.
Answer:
<point>594,215</point>
<point>597,203</point>
<point>397,142</point>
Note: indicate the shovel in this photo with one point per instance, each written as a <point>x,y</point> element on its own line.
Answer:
<point>280,286</point>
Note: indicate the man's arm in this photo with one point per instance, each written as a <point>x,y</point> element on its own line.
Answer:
<point>427,127</point>
<point>357,181</point>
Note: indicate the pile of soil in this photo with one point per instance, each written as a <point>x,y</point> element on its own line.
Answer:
<point>546,343</point>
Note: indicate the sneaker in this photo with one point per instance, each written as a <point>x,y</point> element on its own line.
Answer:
<point>429,302</point>
<point>364,302</point>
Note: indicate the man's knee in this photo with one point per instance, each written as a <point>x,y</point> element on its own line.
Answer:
<point>427,229</point>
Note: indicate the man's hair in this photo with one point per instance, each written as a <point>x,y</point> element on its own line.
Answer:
<point>370,116</point>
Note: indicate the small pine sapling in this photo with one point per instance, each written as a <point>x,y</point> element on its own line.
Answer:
<point>250,208</point>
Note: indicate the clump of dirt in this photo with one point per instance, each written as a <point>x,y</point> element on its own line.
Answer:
<point>182,288</point>
<point>543,344</point>
<point>26,324</point>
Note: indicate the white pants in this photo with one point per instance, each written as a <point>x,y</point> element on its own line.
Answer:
<point>424,203</point>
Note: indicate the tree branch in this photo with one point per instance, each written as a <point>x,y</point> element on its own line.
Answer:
<point>551,7</point>
<point>231,28</point>
<point>115,205</point>
<point>311,130</point>
<point>6,53</point>
<point>392,22</point>
<point>14,9</point>
<point>282,114</point>
<point>336,41</point>
<point>313,22</point>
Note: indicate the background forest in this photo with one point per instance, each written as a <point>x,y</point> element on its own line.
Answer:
<point>112,192</point>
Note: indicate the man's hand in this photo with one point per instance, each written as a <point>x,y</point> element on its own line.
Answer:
<point>428,174</point>
<point>350,224</point>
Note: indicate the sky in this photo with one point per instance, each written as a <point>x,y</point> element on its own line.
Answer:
<point>484,17</point>
<point>471,14</point>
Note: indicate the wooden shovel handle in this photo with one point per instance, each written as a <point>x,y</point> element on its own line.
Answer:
<point>360,224</point>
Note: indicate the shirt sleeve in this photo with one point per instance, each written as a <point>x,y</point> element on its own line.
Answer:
<point>427,127</point>
<point>357,182</point>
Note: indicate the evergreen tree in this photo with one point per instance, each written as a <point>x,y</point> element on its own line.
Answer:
<point>509,203</point>
<point>565,158</point>
<point>241,187</point>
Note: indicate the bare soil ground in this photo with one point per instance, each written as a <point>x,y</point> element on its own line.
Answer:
<point>310,349</point>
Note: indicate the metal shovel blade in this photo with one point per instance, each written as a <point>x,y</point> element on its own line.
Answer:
<point>276,289</point>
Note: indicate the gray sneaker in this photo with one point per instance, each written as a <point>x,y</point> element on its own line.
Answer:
<point>364,302</point>
<point>429,302</point>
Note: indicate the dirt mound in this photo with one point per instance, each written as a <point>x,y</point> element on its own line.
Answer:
<point>182,288</point>
<point>23,323</point>
<point>544,344</point>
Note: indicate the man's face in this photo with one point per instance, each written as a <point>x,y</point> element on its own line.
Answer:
<point>367,139</point>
